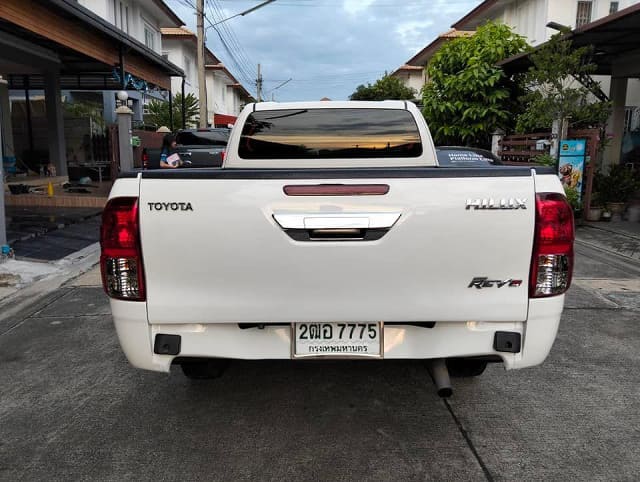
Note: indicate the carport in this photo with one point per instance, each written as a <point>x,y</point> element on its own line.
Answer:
<point>616,53</point>
<point>56,45</point>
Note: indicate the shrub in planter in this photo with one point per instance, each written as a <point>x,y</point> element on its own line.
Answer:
<point>618,186</point>
<point>573,196</point>
<point>596,208</point>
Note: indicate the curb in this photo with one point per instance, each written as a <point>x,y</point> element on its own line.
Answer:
<point>70,267</point>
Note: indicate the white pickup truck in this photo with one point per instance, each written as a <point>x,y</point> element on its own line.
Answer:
<point>330,231</point>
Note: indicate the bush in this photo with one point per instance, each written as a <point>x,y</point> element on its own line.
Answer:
<point>573,196</point>
<point>618,186</point>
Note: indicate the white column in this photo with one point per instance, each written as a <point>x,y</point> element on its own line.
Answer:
<point>124,115</point>
<point>55,122</point>
<point>3,223</point>
<point>496,137</point>
<point>615,125</point>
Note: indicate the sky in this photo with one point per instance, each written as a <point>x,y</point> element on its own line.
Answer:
<point>326,47</point>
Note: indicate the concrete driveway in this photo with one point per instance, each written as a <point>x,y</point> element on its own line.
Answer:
<point>72,408</point>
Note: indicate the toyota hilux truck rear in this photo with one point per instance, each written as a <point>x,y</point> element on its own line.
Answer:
<point>331,232</point>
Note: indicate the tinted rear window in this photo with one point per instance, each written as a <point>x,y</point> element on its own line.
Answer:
<point>203,138</point>
<point>463,158</point>
<point>330,134</point>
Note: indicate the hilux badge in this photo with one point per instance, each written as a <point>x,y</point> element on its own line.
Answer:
<point>490,203</point>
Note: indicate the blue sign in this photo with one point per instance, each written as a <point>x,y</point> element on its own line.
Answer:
<point>571,168</point>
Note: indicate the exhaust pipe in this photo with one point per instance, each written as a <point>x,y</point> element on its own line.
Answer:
<point>440,375</point>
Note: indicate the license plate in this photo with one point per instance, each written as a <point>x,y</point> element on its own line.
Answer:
<point>337,340</point>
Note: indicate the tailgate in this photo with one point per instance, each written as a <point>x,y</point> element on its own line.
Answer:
<point>241,250</point>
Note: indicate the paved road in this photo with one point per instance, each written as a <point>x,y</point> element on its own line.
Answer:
<point>71,407</point>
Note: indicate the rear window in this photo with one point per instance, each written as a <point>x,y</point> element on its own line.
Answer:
<point>203,138</point>
<point>464,158</point>
<point>330,134</point>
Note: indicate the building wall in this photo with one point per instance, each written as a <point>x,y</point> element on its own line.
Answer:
<point>222,98</point>
<point>182,52</point>
<point>412,78</point>
<point>530,17</point>
<point>132,17</point>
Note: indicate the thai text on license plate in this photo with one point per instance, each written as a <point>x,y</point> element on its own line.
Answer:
<point>337,340</point>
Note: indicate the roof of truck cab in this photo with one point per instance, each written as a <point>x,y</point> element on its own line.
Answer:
<point>334,104</point>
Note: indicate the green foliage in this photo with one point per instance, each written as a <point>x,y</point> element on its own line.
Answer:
<point>85,109</point>
<point>545,160</point>
<point>573,196</point>
<point>159,112</point>
<point>552,93</point>
<point>467,97</point>
<point>618,186</point>
<point>385,88</point>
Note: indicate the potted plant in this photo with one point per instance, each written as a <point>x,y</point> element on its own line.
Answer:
<point>573,197</point>
<point>596,208</point>
<point>616,188</point>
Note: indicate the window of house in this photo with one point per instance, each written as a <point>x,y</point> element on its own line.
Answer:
<point>583,15</point>
<point>149,36</point>
<point>613,7</point>
<point>121,15</point>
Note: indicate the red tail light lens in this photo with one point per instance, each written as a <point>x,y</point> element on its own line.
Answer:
<point>223,154</point>
<point>552,260</point>
<point>121,258</point>
<point>145,160</point>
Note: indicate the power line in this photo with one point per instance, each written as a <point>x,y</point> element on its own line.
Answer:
<point>241,64</point>
<point>247,79</point>
<point>234,40</point>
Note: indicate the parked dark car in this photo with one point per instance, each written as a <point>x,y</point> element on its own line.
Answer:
<point>203,147</point>
<point>197,147</point>
<point>460,156</point>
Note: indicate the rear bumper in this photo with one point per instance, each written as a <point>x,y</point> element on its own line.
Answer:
<point>446,339</point>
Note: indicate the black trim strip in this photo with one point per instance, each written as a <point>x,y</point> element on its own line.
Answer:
<point>345,173</point>
<point>305,235</point>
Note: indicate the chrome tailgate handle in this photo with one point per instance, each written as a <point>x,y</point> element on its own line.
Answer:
<point>337,220</point>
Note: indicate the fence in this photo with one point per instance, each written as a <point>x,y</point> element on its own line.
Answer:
<point>522,149</point>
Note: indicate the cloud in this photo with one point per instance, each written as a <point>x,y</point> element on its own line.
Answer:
<point>328,47</point>
<point>353,7</point>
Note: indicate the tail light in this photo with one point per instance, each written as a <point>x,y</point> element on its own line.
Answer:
<point>121,259</point>
<point>223,154</point>
<point>145,159</point>
<point>552,260</point>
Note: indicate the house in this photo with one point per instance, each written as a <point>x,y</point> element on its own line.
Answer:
<point>57,50</point>
<point>413,73</point>
<point>48,47</point>
<point>529,18</point>
<point>142,21</point>
<point>225,95</point>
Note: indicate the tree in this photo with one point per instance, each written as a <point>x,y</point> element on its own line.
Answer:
<point>159,112</point>
<point>467,96</point>
<point>385,88</point>
<point>552,91</point>
<point>85,109</point>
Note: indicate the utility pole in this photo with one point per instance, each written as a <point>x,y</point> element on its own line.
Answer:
<point>259,85</point>
<point>202,86</point>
